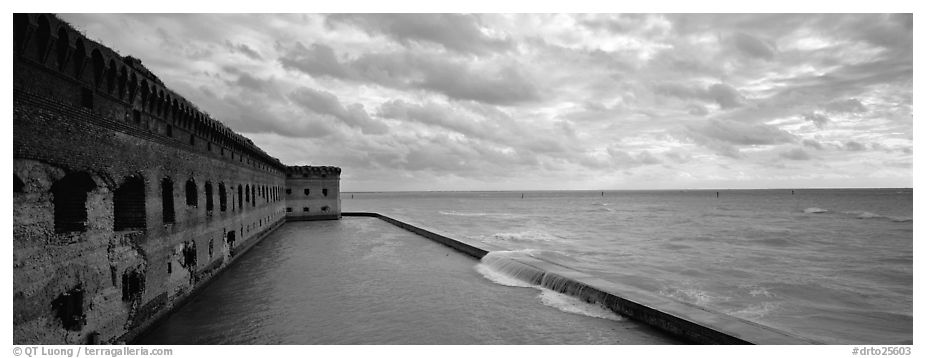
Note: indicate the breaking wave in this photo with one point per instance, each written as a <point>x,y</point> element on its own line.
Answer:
<point>499,267</point>
<point>815,211</point>
<point>525,236</point>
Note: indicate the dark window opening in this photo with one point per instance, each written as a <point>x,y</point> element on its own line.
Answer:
<point>170,267</point>
<point>169,131</point>
<point>208,190</point>
<point>44,33</point>
<point>192,198</point>
<point>223,198</point>
<point>253,202</point>
<point>62,47</point>
<point>231,238</point>
<point>247,193</point>
<point>289,210</point>
<point>69,307</point>
<point>211,244</point>
<point>209,146</point>
<point>86,98</point>
<point>167,200</point>
<point>306,191</point>
<point>324,192</point>
<point>20,21</point>
<point>305,175</point>
<point>305,209</point>
<point>289,191</point>
<point>18,184</point>
<point>189,254</point>
<point>133,285</point>
<point>70,200</point>
<point>240,203</point>
<point>129,204</point>
<point>325,209</point>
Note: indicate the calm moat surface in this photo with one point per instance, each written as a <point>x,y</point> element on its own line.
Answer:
<point>363,281</point>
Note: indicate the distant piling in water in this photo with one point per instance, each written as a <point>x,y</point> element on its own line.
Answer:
<point>718,194</point>
<point>522,195</point>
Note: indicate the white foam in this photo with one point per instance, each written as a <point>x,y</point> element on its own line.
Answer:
<point>863,214</point>
<point>500,277</point>
<point>755,311</point>
<point>574,305</point>
<point>498,267</point>
<point>901,219</point>
<point>814,211</point>
<point>526,236</point>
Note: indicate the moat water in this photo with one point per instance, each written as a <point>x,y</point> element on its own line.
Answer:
<point>364,281</point>
<point>830,265</point>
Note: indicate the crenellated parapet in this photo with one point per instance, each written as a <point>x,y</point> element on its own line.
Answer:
<point>53,60</point>
<point>308,171</point>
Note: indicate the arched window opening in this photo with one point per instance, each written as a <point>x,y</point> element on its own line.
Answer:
<point>247,193</point>
<point>253,202</point>
<point>133,87</point>
<point>20,22</point>
<point>306,191</point>
<point>111,77</point>
<point>96,59</point>
<point>240,204</point>
<point>61,47</point>
<point>43,35</point>
<point>223,199</point>
<point>192,198</point>
<point>167,200</point>
<point>324,192</point>
<point>123,80</point>
<point>70,200</point>
<point>208,190</point>
<point>79,56</point>
<point>129,204</point>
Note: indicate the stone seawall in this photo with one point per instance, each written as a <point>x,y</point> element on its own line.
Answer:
<point>686,321</point>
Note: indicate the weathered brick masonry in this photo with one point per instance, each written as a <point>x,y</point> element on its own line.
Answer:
<point>126,197</point>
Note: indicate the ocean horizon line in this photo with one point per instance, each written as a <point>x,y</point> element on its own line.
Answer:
<point>615,190</point>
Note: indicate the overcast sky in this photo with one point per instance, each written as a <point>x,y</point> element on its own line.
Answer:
<point>515,102</point>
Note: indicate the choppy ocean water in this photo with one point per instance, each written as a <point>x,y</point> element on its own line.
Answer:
<point>834,265</point>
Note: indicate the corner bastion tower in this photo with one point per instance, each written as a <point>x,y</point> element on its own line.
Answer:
<point>126,197</point>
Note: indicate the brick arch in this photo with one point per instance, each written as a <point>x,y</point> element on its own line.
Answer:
<point>79,56</point>
<point>123,81</point>
<point>129,204</point>
<point>111,76</point>
<point>98,66</point>
<point>42,37</point>
<point>61,47</point>
<point>20,27</point>
<point>145,93</point>
<point>132,86</point>
<point>70,201</point>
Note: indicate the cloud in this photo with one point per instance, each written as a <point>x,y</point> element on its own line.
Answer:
<point>723,94</point>
<point>244,49</point>
<point>795,154</point>
<point>322,102</point>
<point>817,118</point>
<point>455,32</point>
<point>492,83</point>
<point>854,146</point>
<point>851,105</point>
<point>812,144</point>
<point>739,133</point>
<point>753,46</point>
